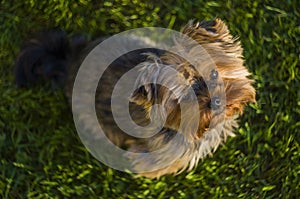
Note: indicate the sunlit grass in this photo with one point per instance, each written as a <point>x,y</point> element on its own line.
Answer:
<point>41,155</point>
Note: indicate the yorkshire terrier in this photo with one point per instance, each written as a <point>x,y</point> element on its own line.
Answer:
<point>54,57</point>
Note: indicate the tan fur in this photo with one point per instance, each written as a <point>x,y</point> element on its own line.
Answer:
<point>226,53</point>
<point>187,146</point>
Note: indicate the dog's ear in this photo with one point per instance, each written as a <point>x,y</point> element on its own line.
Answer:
<point>215,27</point>
<point>239,92</point>
<point>205,29</point>
<point>214,37</point>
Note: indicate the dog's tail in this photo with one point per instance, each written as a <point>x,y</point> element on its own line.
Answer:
<point>46,57</point>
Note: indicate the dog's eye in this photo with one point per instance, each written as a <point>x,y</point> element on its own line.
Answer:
<point>215,103</point>
<point>214,74</point>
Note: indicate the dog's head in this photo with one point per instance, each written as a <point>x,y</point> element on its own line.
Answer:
<point>220,90</point>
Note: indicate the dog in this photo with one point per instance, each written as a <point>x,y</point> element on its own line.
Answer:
<point>52,56</point>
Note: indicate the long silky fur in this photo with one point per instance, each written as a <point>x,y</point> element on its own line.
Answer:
<point>58,60</point>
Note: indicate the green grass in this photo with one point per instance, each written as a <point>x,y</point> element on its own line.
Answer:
<point>41,155</point>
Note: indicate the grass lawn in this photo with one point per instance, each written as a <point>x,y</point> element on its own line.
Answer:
<point>41,155</point>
